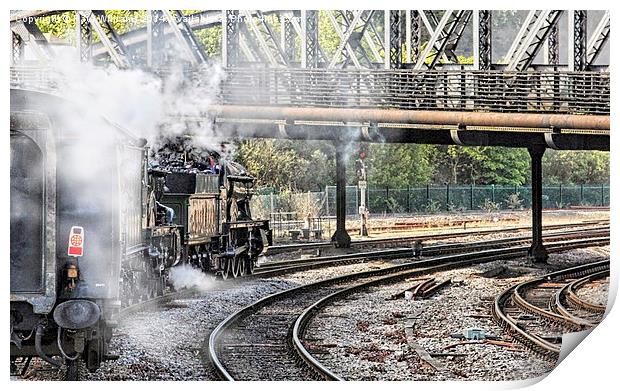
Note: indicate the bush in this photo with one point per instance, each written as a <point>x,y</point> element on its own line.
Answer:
<point>432,207</point>
<point>394,206</point>
<point>489,206</point>
<point>513,201</point>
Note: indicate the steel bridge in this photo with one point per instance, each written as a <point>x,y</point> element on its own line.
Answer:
<point>411,76</point>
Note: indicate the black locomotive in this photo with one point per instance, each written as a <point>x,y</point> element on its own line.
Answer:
<point>96,226</point>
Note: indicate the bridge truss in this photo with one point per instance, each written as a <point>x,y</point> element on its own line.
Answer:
<point>366,39</point>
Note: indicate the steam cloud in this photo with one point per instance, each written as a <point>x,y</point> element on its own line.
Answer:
<point>185,276</point>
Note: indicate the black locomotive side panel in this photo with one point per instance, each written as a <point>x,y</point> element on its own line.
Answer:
<point>27,215</point>
<point>88,197</point>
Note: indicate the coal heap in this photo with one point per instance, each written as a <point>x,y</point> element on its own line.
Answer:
<point>177,154</point>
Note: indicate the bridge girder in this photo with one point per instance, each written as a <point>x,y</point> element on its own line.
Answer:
<point>365,41</point>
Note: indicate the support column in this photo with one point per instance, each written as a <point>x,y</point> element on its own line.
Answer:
<point>482,40</point>
<point>18,48</point>
<point>84,39</point>
<point>537,251</point>
<point>412,36</point>
<point>155,38</point>
<point>287,39</point>
<point>552,47</point>
<point>577,40</point>
<point>392,39</point>
<point>341,236</point>
<point>309,38</point>
<point>230,38</point>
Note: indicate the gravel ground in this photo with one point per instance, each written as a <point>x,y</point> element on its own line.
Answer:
<point>595,292</point>
<point>165,343</point>
<point>363,337</point>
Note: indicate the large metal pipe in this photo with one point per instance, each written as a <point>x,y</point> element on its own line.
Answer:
<point>425,117</point>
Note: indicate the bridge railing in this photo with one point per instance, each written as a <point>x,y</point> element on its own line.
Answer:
<point>459,90</point>
<point>454,90</point>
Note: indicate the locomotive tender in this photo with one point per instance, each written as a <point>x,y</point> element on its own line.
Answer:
<point>95,228</point>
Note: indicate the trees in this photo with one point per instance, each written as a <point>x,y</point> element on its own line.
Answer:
<point>578,167</point>
<point>398,165</point>
<point>480,165</point>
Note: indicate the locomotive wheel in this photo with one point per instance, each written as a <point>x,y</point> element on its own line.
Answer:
<point>234,264</point>
<point>242,266</point>
<point>225,269</point>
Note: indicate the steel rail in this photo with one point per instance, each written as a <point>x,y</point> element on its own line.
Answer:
<point>574,298</point>
<point>445,261</point>
<point>518,297</point>
<point>374,241</point>
<point>281,267</point>
<point>537,344</point>
<point>310,312</point>
<point>424,117</point>
<point>569,288</point>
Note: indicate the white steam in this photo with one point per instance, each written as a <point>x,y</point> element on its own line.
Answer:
<point>146,104</point>
<point>186,277</point>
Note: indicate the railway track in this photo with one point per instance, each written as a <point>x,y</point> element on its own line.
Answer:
<point>537,312</point>
<point>281,267</point>
<point>264,341</point>
<point>408,240</point>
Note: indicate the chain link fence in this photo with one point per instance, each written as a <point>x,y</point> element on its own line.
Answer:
<point>428,199</point>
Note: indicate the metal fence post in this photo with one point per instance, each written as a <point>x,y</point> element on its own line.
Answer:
<point>387,195</point>
<point>561,198</point>
<point>581,195</point>
<point>602,194</point>
<point>428,193</point>
<point>327,200</point>
<point>447,196</point>
<point>271,202</point>
<point>492,193</point>
<point>471,197</point>
<point>408,199</point>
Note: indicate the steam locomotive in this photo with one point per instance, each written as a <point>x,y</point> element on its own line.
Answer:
<point>96,226</point>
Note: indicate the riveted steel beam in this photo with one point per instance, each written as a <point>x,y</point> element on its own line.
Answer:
<point>577,40</point>
<point>309,39</point>
<point>536,33</point>
<point>392,40</point>
<point>482,39</point>
<point>599,37</point>
<point>263,34</point>
<point>108,37</point>
<point>230,38</point>
<point>367,31</point>
<point>31,36</point>
<point>444,39</point>
<point>17,46</point>
<point>287,37</point>
<point>182,31</point>
<point>412,35</point>
<point>344,33</point>
<point>156,40</point>
<point>552,47</point>
<point>84,37</point>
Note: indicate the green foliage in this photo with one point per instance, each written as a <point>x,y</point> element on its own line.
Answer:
<point>578,167</point>
<point>398,165</point>
<point>394,206</point>
<point>211,40</point>
<point>514,201</point>
<point>62,26</point>
<point>480,165</point>
<point>288,165</point>
<point>489,206</point>
<point>432,207</point>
